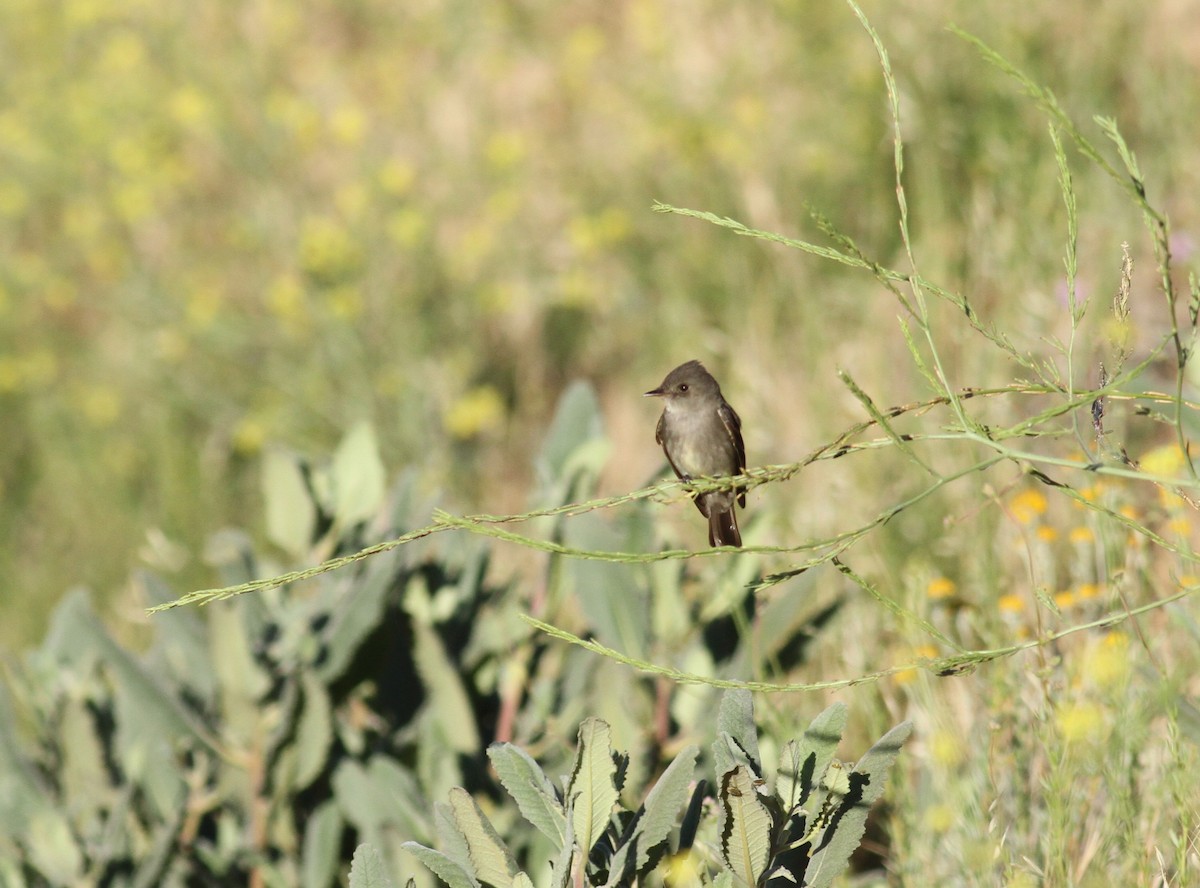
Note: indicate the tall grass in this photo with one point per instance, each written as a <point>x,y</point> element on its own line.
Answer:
<point>229,228</point>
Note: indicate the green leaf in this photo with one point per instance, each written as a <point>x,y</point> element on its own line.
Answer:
<point>163,845</point>
<point>560,866</point>
<point>659,816</point>
<point>22,792</point>
<point>737,738</point>
<point>441,866</point>
<point>744,825</point>
<point>803,763</point>
<point>380,794</point>
<point>83,772</point>
<point>846,827</point>
<point>290,511</point>
<point>322,847</point>
<point>314,731</point>
<point>615,601</point>
<point>358,477</point>
<point>446,695</point>
<point>531,789</point>
<point>592,793</point>
<point>153,710</point>
<point>576,423</point>
<point>367,869</point>
<point>52,848</point>
<point>450,838</point>
<point>493,862</point>
<point>355,617</point>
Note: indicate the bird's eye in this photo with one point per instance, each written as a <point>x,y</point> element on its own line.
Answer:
<point>683,387</point>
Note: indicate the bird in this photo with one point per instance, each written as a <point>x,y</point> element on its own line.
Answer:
<point>702,437</point>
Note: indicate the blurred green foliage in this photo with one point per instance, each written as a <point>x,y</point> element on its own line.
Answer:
<point>229,225</point>
<point>258,740</point>
<point>232,232</point>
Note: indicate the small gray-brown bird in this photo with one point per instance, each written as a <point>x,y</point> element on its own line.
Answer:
<point>702,436</point>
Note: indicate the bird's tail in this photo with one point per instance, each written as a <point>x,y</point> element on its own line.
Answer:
<point>723,527</point>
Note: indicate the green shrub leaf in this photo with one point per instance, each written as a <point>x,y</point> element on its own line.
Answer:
<point>592,792</point>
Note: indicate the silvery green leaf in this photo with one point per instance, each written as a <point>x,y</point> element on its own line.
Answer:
<point>592,793</point>
<point>803,762</point>
<point>863,786</point>
<point>492,861</point>
<point>744,825</point>
<point>531,789</point>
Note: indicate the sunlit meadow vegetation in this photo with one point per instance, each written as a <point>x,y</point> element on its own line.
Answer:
<point>233,227</point>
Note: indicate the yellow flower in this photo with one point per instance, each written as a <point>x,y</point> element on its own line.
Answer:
<point>101,405</point>
<point>505,149</point>
<point>285,298</point>
<point>1081,535</point>
<point>11,376</point>
<point>396,177</point>
<point>947,749</point>
<point>203,303</point>
<point>1165,460</point>
<point>939,818</point>
<point>1080,722</point>
<point>1011,603</point>
<point>1027,505</point>
<point>249,436</point>
<point>348,124</point>
<point>941,587</point>
<point>345,302</point>
<point>1064,599</point>
<point>479,410</point>
<point>1107,661</point>
<point>327,251</point>
<point>123,52</point>
<point>1047,534</point>
<point>683,869</point>
<point>406,227</point>
<point>189,107</point>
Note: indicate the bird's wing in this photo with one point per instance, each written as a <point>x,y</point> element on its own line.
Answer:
<point>733,425</point>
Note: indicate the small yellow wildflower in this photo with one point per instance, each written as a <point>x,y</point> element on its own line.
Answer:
<point>1107,662</point>
<point>396,177</point>
<point>1080,535</point>
<point>348,124</point>
<point>939,818</point>
<point>406,227</point>
<point>100,404</point>
<point>345,302</point>
<point>947,749</point>
<point>941,587</point>
<point>479,410</point>
<point>1011,603</point>
<point>1047,534</point>
<point>1080,722</point>
<point>505,149</point>
<point>1027,505</point>
<point>1165,460</point>
<point>249,436</point>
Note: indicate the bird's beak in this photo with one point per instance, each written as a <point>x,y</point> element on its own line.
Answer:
<point>654,393</point>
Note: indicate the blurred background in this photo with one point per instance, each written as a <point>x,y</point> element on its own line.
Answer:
<point>229,227</point>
